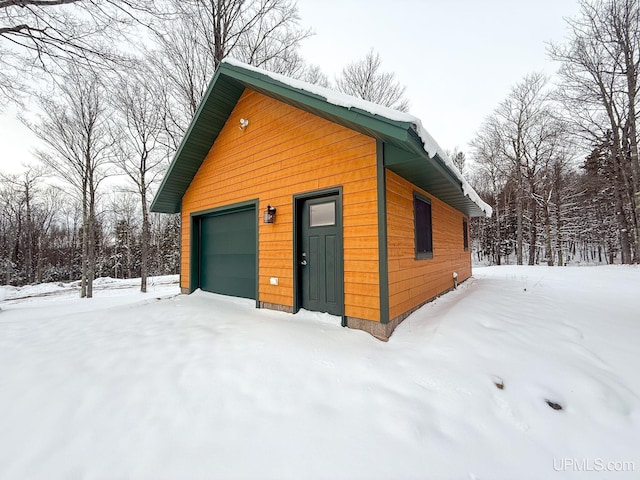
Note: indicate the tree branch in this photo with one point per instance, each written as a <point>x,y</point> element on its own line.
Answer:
<point>35,3</point>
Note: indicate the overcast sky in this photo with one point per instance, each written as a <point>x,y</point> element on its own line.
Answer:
<point>457,58</point>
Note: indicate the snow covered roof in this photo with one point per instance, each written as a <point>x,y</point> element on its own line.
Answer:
<point>412,151</point>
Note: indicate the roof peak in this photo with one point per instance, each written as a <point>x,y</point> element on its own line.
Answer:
<point>331,95</point>
<point>385,124</point>
<point>337,98</point>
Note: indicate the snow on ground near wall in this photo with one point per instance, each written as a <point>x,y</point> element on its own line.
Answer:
<point>203,386</point>
<point>103,286</point>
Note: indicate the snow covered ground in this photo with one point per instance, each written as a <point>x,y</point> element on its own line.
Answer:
<point>165,386</point>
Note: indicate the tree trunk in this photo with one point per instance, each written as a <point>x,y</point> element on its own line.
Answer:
<point>623,225</point>
<point>129,248</point>
<point>91,240</point>
<point>619,187</point>
<point>624,33</point>
<point>39,263</point>
<point>29,234</point>
<point>559,223</point>
<point>498,234</point>
<point>635,206</point>
<point>144,245</point>
<point>533,235</point>
<point>519,215</point>
<point>547,232</point>
<point>85,242</point>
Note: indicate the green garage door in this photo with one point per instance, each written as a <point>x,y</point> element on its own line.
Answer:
<point>228,253</point>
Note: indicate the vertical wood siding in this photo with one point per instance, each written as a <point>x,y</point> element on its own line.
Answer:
<point>286,151</point>
<point>413,282</point>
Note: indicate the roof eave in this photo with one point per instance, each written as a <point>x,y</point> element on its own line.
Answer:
<point>162,204</point>
<point>225,88</point>
<point>358,119</point>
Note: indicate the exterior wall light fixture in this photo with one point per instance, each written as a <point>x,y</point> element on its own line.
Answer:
<point>270,214</point>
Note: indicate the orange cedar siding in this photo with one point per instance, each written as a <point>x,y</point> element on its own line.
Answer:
<point>286,151</point>
<point>413,282</point>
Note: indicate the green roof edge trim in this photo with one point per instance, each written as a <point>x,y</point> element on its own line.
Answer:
<point>184,141</point>
<point>438,162</point>
<point>232,79</point>
<point>386,126</point>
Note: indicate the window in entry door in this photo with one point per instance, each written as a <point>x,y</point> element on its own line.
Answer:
<point>322,214</point>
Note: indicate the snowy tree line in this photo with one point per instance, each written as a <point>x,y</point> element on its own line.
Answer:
<point>41,234</point>
<point>559,163</point>
<point>115,84</point>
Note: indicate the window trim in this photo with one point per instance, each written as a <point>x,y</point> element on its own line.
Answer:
<point>428,254</point>
<point>465,234</point>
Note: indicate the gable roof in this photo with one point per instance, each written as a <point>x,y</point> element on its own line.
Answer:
<point>409,149</point>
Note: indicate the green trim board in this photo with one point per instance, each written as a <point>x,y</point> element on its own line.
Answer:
<point>404,152</point>
<point>196,239</point>
<point>194,253</point>
<point>383,258</point>
<point>254,202</point>
<point>298,199</point>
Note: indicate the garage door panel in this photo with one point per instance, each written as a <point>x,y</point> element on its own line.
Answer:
<point>228,253</point>
<point>237,265</point>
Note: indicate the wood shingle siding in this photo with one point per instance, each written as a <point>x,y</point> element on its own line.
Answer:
<point>413,282</point>
<point>286,151</point>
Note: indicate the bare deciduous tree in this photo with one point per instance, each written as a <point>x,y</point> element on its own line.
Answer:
<point>364,79</point>
<point>11,219</point>
<point>521,138</point>
<point>458,158</point>
<point>313,74</point>
<point>25,188</point>
<point>140,154</point>
<point>600,65</point>
<point>46,33</point>
<point>491,176</point>
<point>264,33</point>
<point>77,134</point>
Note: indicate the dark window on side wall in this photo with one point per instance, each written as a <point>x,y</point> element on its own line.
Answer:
<point>465,234</point>
<point>422,222</point>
